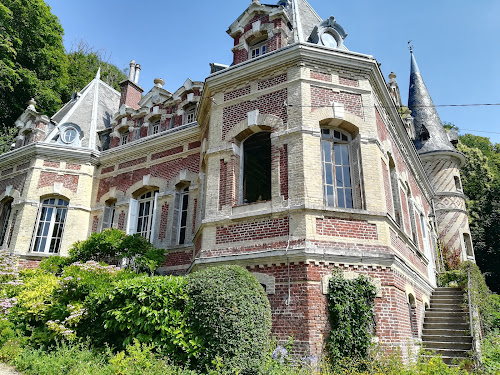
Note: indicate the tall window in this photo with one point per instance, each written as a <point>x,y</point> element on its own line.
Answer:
<point>411,214</point>
<point>180,214</point>
<point>50,225</point>
<point>145,215</point>
<point>256,183</point>
<point>108,216</point>
<point>395,191</point>
<point>468,245</point>
<point>6,208</point>
<point>124,138</point>
<point>337,186</point>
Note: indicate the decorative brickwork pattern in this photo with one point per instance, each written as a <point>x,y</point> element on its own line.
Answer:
<point>381,128</point>
<point>23,166</point>
<point>252,231</point>
<point>132,163</point>
<point>74,167</point>
<point>275,42</point>
<point>236,93</point>
<point>69,181</point>
<point>222,183</point>
<point>163,222</point>
<point>95,223</point>
<point>17,182</point>
<point>166,170</point>
<point>163,154</point>
<point>52,164</point>
<point>240,55</point>
<point>263,18</point>
<point>322,97</point>
<point>330,226</point>
<point>121,220</point>
<point>194,145</point>
<point>284,171</point>
<point>348,82</point>
<point>111,168</point>
<point>321,76</point>
<point>7,171</point>
<point>272,103</point>
<point>265,84</point>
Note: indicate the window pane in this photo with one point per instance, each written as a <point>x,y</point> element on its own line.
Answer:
<point>327,151</point>
<point>257,168</point>
<point>347,177</point>
<point>336,134</point>
<point>330,200</point>
<point>328,174</point>
<point>338,155</point>
<point>345,155</point>
<point>348,198</point>
<point>339,181</point>
<point>340,195</point>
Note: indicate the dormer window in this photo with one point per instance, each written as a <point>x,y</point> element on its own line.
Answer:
<point>258,49</point>
<point>329,40</point>
<point>69,135</point>
<point>124,138</point>
<point>154,128</point>
<point>190,115</point>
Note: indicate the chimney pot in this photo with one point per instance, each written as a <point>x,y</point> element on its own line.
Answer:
<point>132,70</point>
<point>137,72</point>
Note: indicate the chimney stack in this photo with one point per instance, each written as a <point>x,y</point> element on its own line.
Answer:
<point>131,92</point>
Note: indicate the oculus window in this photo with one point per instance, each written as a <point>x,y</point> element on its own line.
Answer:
<point>69,135</point>
<point>50,225</point>
<point>257,168</point>
<point>337,186</point>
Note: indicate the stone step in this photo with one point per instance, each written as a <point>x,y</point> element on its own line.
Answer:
<point>450,352</point>
<point>447,345</point>
<point>446,306</point>
<point>442,337</point>
<point>458,302</point>
<point>448,294</point>
<point>444,332</point>
<point>446,319</point>
<point>447,326</point>
<point>448,313</point>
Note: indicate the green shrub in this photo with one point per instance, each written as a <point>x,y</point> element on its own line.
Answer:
<point>150,310</point>
<point>113,245</point>
<point>491,353</point>
<point>229,310</point>
<point>453,278</point>
<point>54,264</point>
<point>351,313</point>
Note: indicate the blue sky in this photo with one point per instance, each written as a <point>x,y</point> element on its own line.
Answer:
<point>455,42</point>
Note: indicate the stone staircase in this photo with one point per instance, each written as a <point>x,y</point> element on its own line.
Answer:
<point>446,330</point>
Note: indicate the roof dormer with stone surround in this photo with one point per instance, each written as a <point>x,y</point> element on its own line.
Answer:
<point>259,30</point>
<point>33,126</point>
<point>156,112</point>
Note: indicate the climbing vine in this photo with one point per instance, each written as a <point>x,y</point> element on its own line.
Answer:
<point>351,312</point>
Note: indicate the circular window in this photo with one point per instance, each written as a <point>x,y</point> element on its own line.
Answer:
<point>329,40</point>
<point>69,135</point>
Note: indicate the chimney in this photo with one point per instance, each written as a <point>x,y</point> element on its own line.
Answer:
<point>131,92</point>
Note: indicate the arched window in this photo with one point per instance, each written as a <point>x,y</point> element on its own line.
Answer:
<point>5,210</point>
<point>468,245</point>
<point>335,154</point>
<point>256,182</point>
<point>50,225</point>
<point>108,215</point>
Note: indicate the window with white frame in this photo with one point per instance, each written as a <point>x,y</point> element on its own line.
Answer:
<point>124,138</point>
<point>180,215</point>
<point>190,115</point>
<point>258,49</point>
<point>146,213</point>
<point>154,128</point>
<point>335,154</point>
<point>50,225</point>
<point>6,208</point>
<point>108,215</point>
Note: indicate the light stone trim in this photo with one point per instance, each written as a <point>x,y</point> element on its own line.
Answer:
<point>267,280</point>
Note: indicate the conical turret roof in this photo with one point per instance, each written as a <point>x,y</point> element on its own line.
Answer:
<point>430,135</point>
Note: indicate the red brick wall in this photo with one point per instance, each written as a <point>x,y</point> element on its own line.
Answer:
<point>130,95</point>
<point>52,164</point>
<point>222,183</point>
<point>265,84</point>
<point>252,230</point>
<point>163,222</point>
<point>195,209</point>
<point>132,163</point>
<point>28,263</point>
<point>322,97</point>
<point>172,151</point>
<point>69,181</point>
<point>111,168</point>
<point>284,171</point>
<point>275,42</point>
<point>195,144</point>
<point>381,129</point>
<point>348,82</point>
<point>236,93</point>
<point>166,170</point>
<point>330,226</point>
<point>74,167</point>
<point>239,56</point>
<point>95,223</point>
<point>17,182</point>
<point>178,258</point>
<point>321,76</point>
<point>272,103</point>
<point>121,220</point>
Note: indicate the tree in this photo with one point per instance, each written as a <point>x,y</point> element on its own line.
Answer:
<point>481,184</point>
<point>33,62</point>
<point>83,62</point>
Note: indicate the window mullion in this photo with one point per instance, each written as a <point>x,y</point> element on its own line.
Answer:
<point>51,229</point>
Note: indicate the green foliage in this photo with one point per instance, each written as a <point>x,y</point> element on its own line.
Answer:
<point>33,62</point>
<point>481,185</point>
<point>83,62</point>
<point>491,353</point>
<point>452,278</point>
<point>54,264</point>
<point>113,244</point>
<point>150,310</point>
<point>229,310</point>
<point>7,138</point>
<point>351,313</point>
